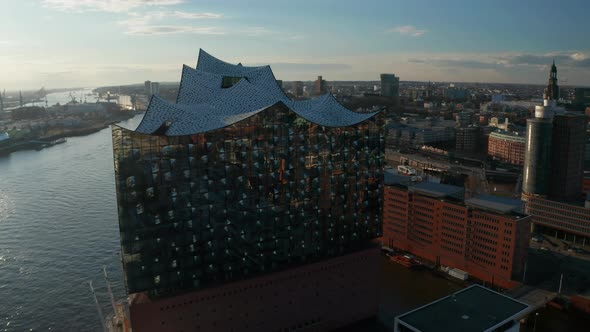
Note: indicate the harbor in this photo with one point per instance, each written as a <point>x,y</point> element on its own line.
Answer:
<point>43,123</point>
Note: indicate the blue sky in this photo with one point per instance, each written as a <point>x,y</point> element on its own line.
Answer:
<point>66,43</point>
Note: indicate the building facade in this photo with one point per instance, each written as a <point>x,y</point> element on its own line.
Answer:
<point>320,86</point>
<point>558,219</point>
<point>297,89</point>
<point>389,85</point>
<point>486,237</point>
<point>567,157</point>
<point>236,183</point>
<point>467,139</point>
<point>507,147</point>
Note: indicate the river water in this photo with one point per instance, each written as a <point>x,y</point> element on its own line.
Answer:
<point>58,227</point>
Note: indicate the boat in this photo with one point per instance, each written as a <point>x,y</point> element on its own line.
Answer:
<point>59,141</point>
<point>45,144</point>
<point>406,261</point>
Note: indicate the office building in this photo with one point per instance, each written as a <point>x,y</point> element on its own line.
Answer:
<point>507,147</point>
<point>243,210</point>
<point>467,139</point>
<point>553,170</point>
<point>485,236</point>
<point>297,89</point>
<point>539,144</point>
<point>320,86</point>
<point>567,153</point>
<point>151,88</point>
<point>155,88</point>
<point>554,156</point>
<point>558,219</point>
<point>537,158</point>
<point>389,85</point>
<point>463,311</point>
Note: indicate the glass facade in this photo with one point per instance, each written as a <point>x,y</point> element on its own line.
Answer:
<point>260,195</point>
<point>537,157</point>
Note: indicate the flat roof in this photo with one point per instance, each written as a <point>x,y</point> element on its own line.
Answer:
<point>498,204</point>
<point>437,189</point>
<point>473,309</point>
<point>391,177</point>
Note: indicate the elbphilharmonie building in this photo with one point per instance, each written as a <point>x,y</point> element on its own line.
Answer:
<point>242,210</point>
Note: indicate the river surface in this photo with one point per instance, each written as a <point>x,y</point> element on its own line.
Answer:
<point>58,227</point>
<point>81,96</point>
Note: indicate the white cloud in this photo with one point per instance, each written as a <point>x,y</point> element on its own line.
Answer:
<point>188,15</point>
<point>578,56</point>
<point>150,30</point>
<point>104,5</point>
<point>408,30</point>
<point>143,24</point>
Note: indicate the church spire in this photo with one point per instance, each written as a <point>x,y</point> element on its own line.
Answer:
<point>552,89</point>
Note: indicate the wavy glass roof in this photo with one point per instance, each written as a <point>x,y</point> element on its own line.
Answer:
<point>203,105</point>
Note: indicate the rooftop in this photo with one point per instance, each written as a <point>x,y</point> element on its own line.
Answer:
<point>205,102</point>
<point>463,311</point>
<point>497,204</point>
<point>438,190</point>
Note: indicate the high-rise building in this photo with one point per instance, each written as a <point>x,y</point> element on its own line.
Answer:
<point>389,85</point>
<point>147,88</point>
<point>485,236</point>
<point>298,88</point>
<point>539,145</point>
<point>553,169</point>
<point>243,210</point>
<point>155,88</point>
<point>537,157</point>
<point>554,156</point>
<point>568,142</point>
<point>320,86</point>
<point>467,139</point>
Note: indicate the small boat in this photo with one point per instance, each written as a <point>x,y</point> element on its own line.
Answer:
<point>59,141</point>
<point>406,261</point>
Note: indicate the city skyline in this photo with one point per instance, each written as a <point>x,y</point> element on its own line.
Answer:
<point>456,41</point>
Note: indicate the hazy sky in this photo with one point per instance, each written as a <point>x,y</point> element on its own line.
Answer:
<point>66,43</point>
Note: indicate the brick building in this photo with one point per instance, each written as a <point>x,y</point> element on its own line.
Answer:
<point>484,236</point>
<point>507,147</point>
